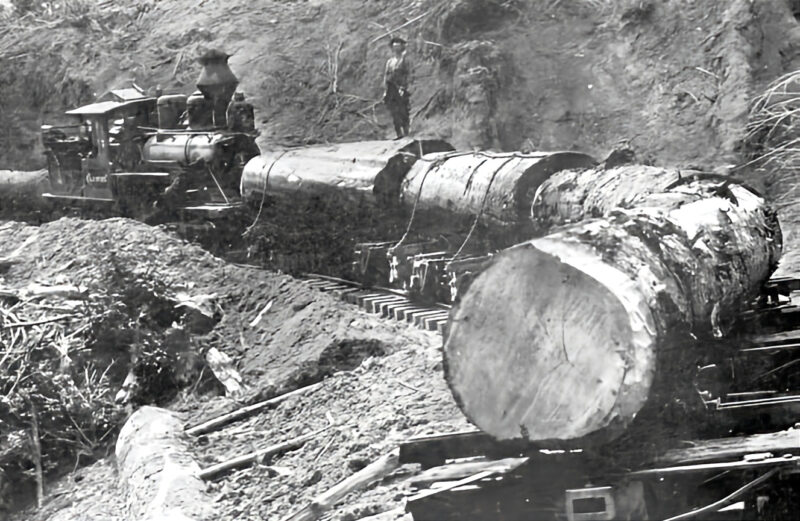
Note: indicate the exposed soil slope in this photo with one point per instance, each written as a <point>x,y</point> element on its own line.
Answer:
<point>300,336</point>
<point>673,77</point>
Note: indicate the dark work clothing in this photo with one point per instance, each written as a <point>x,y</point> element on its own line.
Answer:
<point>398,71</point>
<point>397,97</point>
<point>399,106</point>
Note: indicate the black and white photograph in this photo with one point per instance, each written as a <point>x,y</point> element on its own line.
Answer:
<point>400,260</point>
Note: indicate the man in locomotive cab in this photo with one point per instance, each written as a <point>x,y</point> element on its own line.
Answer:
<point>128,150</point>
<point>240,114</point>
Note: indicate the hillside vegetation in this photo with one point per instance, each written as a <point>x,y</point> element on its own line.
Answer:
<point>672,78</point>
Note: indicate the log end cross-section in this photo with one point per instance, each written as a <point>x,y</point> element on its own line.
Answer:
<point>560,343</point>
<point>569,335</point>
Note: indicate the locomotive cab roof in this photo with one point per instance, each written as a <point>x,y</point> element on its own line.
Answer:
<point>105,108</point>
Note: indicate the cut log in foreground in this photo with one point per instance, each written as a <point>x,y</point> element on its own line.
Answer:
<point>157,473</point>
<point>558,338</point>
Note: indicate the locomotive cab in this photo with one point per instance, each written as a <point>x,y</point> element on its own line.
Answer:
<point>172,152</point>
<point>102,140</point>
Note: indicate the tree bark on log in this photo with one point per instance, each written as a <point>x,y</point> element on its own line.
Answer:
<point>157,472</point>
<point>498,186</point>
<point>560,338</point>
<point>574,195</point>
<point>363,170</point>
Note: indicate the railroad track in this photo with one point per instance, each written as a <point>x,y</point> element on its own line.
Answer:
<point>389,303</point>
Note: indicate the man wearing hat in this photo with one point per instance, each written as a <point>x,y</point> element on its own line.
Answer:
<point>395,79</point>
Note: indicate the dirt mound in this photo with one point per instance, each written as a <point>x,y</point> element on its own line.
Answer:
<point>298,326</point>
<point>139,285</point>
<point>382,402</point>
<point>673,77</point>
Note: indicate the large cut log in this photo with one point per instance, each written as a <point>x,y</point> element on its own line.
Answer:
<point>365,169</point>
<point>316,203</point>
<point>475,202</point>
<point>497,186</point>
<point>157,473</point>
<point>574,195</point>
<point>560,337</point>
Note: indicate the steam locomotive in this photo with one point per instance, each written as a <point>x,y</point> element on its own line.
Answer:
<point>411,213</point>
<point>137,152</point>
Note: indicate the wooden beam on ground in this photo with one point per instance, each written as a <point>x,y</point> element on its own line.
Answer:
<point>247,459</point>
<point>243,412</point>
<point>456,471</point>
<point>375,471</point>
<point>734,448</point>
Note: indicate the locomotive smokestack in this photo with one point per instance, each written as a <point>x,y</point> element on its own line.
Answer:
<point>217,82</point>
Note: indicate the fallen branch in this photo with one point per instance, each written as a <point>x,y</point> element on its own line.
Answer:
<point>67,291</point>
<point>37,455</point>
<point>376,470</point>
<point>177,64</point>
<point>243,412</point>
<point>696,100</point>
<point>261,313</point>
<point>37,322</point>
<point>326,447</point>
<point>387,33</point>
<point>408,386</point>
<point>7,262</point>
<point>247,459</point>
<point>385,515</point>
<point>707,72</point>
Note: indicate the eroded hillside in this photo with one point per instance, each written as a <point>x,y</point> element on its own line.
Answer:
<point>673,78</point>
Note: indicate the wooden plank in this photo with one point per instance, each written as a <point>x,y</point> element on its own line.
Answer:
<point>385,308</point>
<point>432,322</point>
<point>456,471</point>
<point>789,462</point>
<point>375,471</point>
<point>419,318</point>
<point>734,448</point>
<point>434,450</point>
<point>362,299</point>
<point>243,412</point>
<point>373,305</point>
<point>399,312</point>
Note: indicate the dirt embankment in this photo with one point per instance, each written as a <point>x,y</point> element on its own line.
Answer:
<point>673,77</point>
<point>383,380</point>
